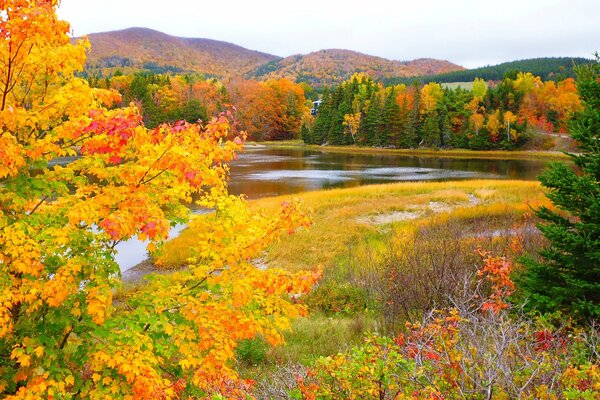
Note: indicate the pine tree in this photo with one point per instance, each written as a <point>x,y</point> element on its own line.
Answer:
<point>415,120</point>
<point>431,129</point>
<point>335,135</point>
<point>568,276</point>
<point>322,123</point>
<point>445,128</point>
<point>371,123</point>
<point>391,120</point>
<point>305,134</point>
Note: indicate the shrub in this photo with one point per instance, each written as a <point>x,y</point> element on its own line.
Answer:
<point>252,351</point>
<point>337,298</point>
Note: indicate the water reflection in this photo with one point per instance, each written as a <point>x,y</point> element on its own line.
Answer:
<point>264,171</point>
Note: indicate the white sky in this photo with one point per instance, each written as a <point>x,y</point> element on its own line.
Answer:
<point>469,32</point>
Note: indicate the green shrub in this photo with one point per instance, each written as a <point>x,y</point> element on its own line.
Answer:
<point>252,351</point>
<point>337,298</point>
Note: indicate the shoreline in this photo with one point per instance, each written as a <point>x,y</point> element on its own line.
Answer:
<point>442,153</point>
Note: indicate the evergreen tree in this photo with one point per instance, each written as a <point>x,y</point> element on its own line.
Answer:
<point>391,120</point>
<point>305,134</point>
<point>339,107</point>
<point>431,129</point>
<point>369,127</point>
<point>322,123</point>
<point>415,121</point>
<point>445,128</point>
<point>568,276</point>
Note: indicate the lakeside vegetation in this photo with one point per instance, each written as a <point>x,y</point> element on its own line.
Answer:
<point>363,112</point>
<point>516,112</point>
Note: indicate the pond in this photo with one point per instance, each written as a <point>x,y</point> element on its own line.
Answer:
<point>263,171</point>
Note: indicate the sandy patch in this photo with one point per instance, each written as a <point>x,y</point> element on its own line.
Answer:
<point>383,219</point>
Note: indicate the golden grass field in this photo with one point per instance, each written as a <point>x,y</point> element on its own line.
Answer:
<point>356,226</point>
<point>343,216</point>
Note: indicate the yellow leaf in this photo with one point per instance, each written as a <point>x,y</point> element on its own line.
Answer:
<point>39,351</point>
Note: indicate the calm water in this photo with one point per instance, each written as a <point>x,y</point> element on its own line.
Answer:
<point>263,171</point>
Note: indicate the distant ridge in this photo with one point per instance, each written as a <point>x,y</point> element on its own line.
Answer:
<point>135,49</point>
<point>336,65</point>
<point>544,67</point>
<point>143,48</point>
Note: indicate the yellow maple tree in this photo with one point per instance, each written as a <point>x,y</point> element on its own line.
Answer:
<point>77,176</point>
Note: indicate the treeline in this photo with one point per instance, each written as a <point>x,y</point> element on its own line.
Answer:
<point>363,112</point>
<point>548,68</point>
<point>270,110</point>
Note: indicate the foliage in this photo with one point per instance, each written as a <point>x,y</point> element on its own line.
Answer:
<point>486,117</point>
<point>469,351</point>
<point>272,110</point>
<point>333,298</point>
<point>61,333</point>
<point>252,351</point>
<point>568,277</point>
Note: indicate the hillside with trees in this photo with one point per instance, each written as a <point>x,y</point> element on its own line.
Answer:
<point>547,68</point>
<point>146,50</point>
<point>137,49</point>
<point>325,67</point>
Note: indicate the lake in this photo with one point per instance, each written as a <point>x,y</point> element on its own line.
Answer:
<point>263,171</point>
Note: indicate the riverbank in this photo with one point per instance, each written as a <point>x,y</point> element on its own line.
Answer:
<point>440,153</point>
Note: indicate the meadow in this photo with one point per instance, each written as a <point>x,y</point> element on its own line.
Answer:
<point>355,234</point>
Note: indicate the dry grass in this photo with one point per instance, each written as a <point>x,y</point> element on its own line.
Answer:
<point>337,216</point>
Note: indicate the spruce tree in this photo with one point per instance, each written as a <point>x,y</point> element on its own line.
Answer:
<point>567,278</point>
<point>322,123</point>
<point>391,120</point>
<point>305,134</point>
<point>370,125</point>
<point>431,129</point>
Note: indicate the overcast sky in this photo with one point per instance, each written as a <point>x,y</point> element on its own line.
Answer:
<point>469,32</point>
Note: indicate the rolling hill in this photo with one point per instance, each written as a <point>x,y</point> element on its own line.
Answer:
<point>334,65</point>
<point>137,49</point>
<point>142,48</point>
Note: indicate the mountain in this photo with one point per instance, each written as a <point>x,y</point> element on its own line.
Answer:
<point>555,68</point>
<point>137,49</point>
<point>334,66</point>
<point>142,48</point>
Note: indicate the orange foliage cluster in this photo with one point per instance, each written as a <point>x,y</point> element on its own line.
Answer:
<point>269,110</point>
<point>540,98</point>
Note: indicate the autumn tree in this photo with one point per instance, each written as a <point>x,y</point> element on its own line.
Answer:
<point>62,335</point>
<point>568,276</point>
